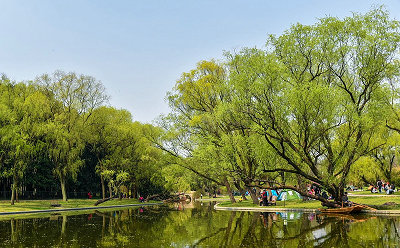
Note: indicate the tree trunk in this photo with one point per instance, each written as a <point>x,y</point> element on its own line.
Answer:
<point>63,225</point>
<point>241,190</point>
<point>253,195</point>
<point>63,189</point>
<point>110,190</point>
<point>103,187</point>
<point>12,193</point>
<point>14,189</point>
<point>229,190</point>
<point>13,231</point>
<point>4,190</point>
<point>134,190</point>
<point>367,181</point>
<point>102,200</point>
<point>302,185</point>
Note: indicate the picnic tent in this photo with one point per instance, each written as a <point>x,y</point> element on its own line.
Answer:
<point>288,194</point>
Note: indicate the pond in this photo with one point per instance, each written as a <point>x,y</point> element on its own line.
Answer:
<point>198,225</point>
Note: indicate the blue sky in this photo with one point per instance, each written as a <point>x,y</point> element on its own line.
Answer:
<point>138,49</point>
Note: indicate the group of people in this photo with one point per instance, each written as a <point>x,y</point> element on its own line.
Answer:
<point>314,189</point>
<point>267,199</point>
<point>382,186</point>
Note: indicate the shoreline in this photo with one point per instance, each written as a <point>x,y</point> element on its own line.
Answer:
<point>305,210</point>
<point>77,209</point>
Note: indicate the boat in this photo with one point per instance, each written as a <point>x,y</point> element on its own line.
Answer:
<point>344,210</point>
<point>349,217</point>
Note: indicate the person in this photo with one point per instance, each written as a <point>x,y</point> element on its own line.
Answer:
<point>265,198</point>
<point>379,184</point>
<point>317,190</point>
<point>390,189</point>
<point>90,195</point>
<point>325,195</point>
<point>201,196</point>
<point>345,200</point>
<point>374,190</point>
<point>141,199</point>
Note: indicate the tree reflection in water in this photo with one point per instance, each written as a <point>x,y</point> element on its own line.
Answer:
<point>199,226</point>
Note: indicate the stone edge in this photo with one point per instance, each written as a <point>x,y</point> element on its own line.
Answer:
<point>77,209</point>
<point>307,210</point>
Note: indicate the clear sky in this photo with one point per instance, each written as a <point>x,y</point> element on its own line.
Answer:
<point>138,49</point>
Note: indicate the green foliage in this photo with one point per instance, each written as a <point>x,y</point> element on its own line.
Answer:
<point>305,109</point>
<point>56,127</point>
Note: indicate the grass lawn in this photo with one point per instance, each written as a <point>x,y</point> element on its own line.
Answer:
<point>367,192</point>
<point>61,214</point>
<point>219,198</point>
<point>367,200</point>
<point>28,205</point>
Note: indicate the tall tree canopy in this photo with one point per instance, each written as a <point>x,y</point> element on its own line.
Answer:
<point>308,105</point>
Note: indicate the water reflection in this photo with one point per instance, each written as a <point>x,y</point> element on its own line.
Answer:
<point>199,226</point>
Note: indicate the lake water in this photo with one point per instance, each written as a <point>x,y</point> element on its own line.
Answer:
<point>199,225</point>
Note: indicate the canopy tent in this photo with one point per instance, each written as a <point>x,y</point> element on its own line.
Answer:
<point>288,194</point>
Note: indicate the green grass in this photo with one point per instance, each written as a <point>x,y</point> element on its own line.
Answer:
<point>29,205</point>
<point>219,198</point>
<point>367,192</point>
<point>367,200</point>
<point>60,214</point>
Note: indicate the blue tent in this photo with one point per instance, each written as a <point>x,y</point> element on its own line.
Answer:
<point>274,193</point>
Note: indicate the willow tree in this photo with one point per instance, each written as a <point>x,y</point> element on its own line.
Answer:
<point>222,146</point>
<point>14,144</point>
<point>104,136</point>
<point>196,129</point>
<point>74,99</point>
<point>24,112</point>
<point>318,93</point>
<point>119,166</point>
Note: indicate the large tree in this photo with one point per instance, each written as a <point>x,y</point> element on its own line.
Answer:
<point>75,98</point>
<point>24,111</point>
<point>317,94</point>
<point>104,136</point>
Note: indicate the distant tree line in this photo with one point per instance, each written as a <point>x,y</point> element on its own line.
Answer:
<point>58,136</point>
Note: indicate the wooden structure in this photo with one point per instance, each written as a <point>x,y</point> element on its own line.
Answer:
<point>355,208</point>
<point>344,210</point>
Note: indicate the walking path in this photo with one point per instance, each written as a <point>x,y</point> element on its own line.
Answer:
<point>374,195</point>
<point>77,209</point>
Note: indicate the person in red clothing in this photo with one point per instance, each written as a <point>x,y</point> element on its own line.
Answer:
<point>89,195</point>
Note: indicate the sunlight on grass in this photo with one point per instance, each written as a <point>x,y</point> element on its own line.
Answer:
<point>5,206</point>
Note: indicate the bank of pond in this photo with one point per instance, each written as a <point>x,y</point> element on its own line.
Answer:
<point>378,202</point>
<point>197,225</point>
